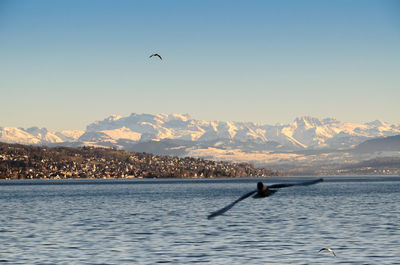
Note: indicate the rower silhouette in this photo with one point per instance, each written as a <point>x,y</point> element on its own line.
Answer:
<point>262,191</point>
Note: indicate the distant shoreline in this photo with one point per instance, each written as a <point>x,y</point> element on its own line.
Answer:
<point>38,162</point>
<point>219,179</point>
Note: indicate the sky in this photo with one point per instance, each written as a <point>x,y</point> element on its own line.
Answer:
<point>65,64</point>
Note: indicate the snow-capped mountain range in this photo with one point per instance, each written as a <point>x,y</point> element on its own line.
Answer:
<point>37,136</point>
<point>305,146</point>
<point>303,133</point>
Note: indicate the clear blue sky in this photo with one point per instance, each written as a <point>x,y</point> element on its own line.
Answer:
<point>64,64</point>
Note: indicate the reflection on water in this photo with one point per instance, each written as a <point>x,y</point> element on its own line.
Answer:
<point>158,221</point>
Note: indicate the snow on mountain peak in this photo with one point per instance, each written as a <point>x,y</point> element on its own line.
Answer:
<point>70,135</point>
<point>122,133</point>
<point>17,135</point>
<point>36,131</point>
<point>307,122</point>
<point>114,117</point>
<point>377,123</point>
<point>163,118</point>
<point>329,121</point>
<point>183,117</point>
<point>303,132</point>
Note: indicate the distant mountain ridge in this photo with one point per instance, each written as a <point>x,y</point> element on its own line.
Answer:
<point>390,143</point>
<point>305,146</point>
<point>39,136</point>
<point>303,133</point>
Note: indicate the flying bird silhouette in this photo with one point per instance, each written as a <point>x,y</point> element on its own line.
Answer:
<point>156,54</point>
<point>261,192</point>
<point>328,249</point>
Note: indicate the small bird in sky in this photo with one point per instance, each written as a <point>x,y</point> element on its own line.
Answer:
<point>328,249</point>
<point>156,54</point>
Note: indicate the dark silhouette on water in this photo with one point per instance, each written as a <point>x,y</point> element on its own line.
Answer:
<point>328,249</point>
<point>262,191</point>
<point>156,54</point>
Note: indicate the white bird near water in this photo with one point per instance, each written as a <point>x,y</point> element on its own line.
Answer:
<point>328,249</point>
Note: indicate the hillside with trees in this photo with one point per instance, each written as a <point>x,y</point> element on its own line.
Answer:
<point>37,162</point>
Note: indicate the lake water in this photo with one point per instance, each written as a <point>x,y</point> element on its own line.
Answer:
<point>165,221</point>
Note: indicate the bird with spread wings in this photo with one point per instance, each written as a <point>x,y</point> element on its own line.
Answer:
<point>156,54</point>
<point>328,249</point>
<point>261,192</point>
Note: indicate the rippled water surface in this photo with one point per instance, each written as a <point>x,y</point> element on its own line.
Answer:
<point>165,221</point>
